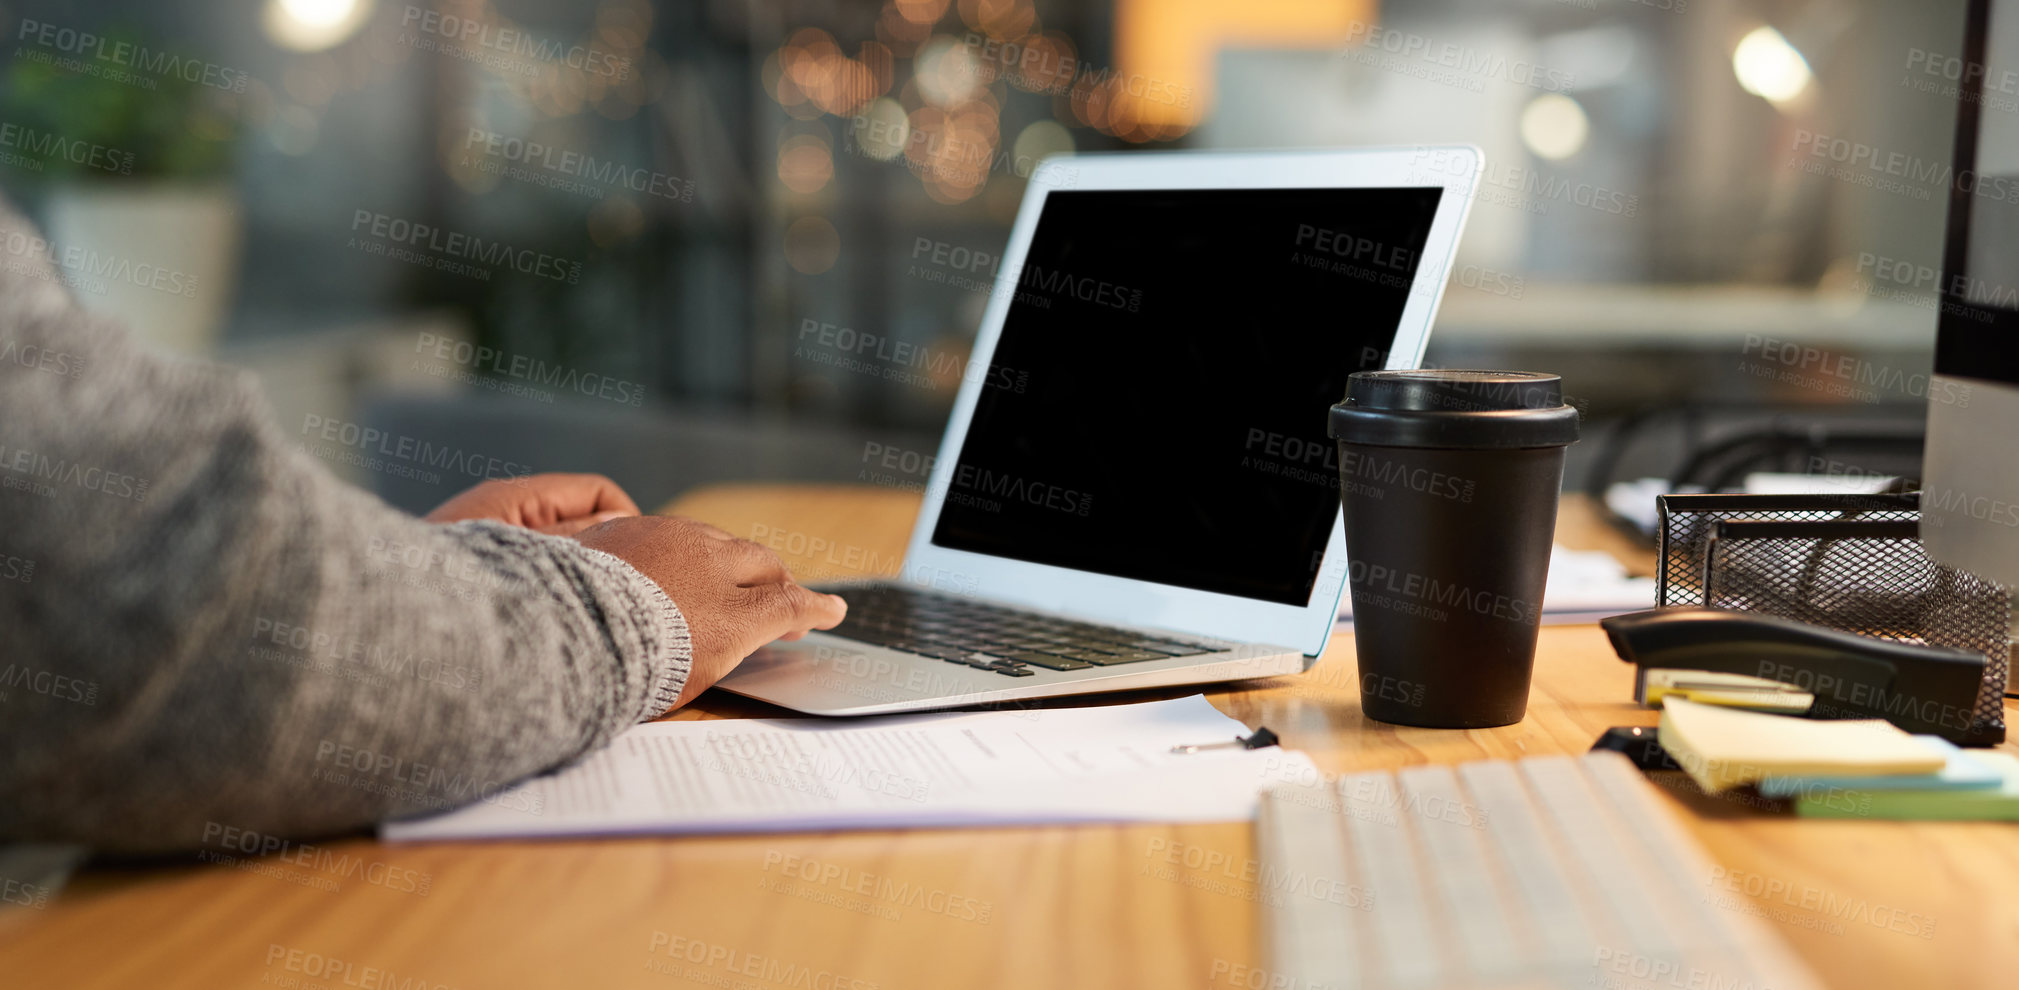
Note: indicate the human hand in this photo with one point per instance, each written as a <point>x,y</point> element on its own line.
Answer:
<point>735,594</point>
<point>561,504</point>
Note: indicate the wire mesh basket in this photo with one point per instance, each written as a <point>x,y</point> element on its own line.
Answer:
<point>1849,562</point>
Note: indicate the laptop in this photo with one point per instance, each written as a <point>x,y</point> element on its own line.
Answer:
<point>1136,488</point>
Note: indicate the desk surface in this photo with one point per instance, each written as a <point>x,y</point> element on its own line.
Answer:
<point>1876,904</point>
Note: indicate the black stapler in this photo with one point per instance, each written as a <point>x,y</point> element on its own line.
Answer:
<point>1752,660</point>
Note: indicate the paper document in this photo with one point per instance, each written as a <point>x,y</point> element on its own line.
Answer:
<point>1036,766</point>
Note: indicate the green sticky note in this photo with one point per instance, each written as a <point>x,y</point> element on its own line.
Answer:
<point>1999,803</point>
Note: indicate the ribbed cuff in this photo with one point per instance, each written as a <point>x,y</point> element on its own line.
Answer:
<point>669,646</point>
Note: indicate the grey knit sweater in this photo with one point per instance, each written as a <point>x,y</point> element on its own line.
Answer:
<point>202,630</point>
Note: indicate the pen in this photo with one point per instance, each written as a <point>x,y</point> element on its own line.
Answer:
<point>1262,737</point>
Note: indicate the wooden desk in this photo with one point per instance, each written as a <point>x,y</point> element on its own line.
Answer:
<point>1040,907</point>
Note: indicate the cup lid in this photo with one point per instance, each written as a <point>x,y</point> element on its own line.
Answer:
<point>1454,408</point>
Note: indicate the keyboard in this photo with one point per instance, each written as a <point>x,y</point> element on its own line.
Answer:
<point>1542,872</point>
<point>990,637</point>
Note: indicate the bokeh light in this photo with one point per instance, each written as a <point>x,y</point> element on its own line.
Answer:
<point>313,25</point>
<point>1041,63</point>
<point>1554,126</point>
<point>1000,19</point>
<point>949,72</point>
<point>805,163</point>
<point>812,69</point>
<point>1767,66</point>
<point>904,26</point>
<point>1038,139</point>
<point>812,245</point>
<point>881,130</point>
<point>924,12</point>
<point>943,123</point>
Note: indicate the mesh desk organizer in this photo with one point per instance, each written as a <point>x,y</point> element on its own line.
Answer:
<point>1849,562</point>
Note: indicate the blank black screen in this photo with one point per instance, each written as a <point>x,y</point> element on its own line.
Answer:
<point>1979,323</point>
<point>1156,404</point>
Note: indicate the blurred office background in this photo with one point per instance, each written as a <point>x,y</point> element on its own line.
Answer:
<point>1718,219</point>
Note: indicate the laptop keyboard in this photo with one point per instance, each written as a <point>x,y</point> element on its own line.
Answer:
<point>990,637</point>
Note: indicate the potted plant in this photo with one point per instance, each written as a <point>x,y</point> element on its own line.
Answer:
<point>134,171</point>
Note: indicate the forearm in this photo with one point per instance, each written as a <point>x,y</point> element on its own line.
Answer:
<point>214,631</point>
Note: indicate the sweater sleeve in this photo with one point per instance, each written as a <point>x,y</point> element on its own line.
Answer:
<point>202,629</point>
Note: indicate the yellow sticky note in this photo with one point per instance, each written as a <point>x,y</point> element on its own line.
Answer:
<point>1722,748</point>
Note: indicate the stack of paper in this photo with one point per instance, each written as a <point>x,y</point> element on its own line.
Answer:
<point>1037,766</point>
<point>1849,769</point>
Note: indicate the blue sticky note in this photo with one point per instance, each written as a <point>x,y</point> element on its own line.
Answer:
<point>1963,772</point>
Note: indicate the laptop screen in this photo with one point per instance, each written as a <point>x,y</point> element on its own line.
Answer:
<point>1156,404</point>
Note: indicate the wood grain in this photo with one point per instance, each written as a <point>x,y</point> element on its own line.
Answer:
<point>1867,904</point>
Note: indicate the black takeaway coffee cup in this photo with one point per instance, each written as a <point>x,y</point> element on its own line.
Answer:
<point>1450,482</point>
